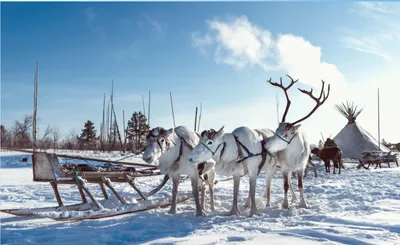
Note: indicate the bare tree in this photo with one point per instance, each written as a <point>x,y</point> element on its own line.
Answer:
<point>5,136</point>
<point>55,132</point>
<point>70,140</point>
<point>45,141</point>
<point>21,132</point>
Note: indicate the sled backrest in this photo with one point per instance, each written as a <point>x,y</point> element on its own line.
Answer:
<point>46,167</point>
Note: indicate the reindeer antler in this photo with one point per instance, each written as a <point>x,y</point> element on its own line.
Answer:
<point>318,100</point>
<point>285,89</point>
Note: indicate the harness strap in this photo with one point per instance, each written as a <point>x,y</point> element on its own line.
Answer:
<point>263,156</point>
<point>240,153</point>
<point>222,151</point>
<point>180,151</point>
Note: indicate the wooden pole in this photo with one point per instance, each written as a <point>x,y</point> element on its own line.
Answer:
<point>102,126</point>
<point>111,115</point>
<point>123,118</point>
<point>116,127</point>
<point>35,98</point>
<point>379,125</point>
<point>172,108</point>
<point>195,119</point>
<point>148,114</point>
<point>144,107</point>
<point>201,111</point>
<point>107,133</point>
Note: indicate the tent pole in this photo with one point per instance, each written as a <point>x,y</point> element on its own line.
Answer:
<point>379,125</point>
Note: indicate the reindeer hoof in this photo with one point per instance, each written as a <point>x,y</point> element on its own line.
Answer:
<point>255,212</point>
<point>285,204</point>
<point>303,204</point>
<point>234,212</point>
<point>268,205</point>
<point>201,214</point>
<point>172,211</point>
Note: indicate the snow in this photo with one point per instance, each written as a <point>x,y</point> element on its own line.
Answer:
<point>356,207</point>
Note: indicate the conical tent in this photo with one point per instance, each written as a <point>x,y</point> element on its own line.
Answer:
<point>353,139</point>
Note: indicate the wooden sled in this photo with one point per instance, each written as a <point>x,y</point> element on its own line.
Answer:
<point>46,168</point>
<point>367,160</point>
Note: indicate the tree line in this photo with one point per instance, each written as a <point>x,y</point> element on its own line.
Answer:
<point>20,136</point>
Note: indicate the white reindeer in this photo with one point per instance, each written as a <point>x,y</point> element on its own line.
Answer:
<point>290,144</point>
<point>171,148</point>
<point>237,154</point>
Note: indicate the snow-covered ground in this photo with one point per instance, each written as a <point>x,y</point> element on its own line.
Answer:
<point>356,207</point>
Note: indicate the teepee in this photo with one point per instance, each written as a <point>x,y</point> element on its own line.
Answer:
<point>353,139</point>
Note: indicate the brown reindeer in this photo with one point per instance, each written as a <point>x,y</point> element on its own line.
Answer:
<point>329,153</point>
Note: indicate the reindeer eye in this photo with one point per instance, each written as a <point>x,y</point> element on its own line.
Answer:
<point>162,140</point>
<point>209,143</point>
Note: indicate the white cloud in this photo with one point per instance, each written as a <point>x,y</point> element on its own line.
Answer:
<point>240,43</point>
<point>91,16</point>
<point>381,34</point>
<point>154,24</point>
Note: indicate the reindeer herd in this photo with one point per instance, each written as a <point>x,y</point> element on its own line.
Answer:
<point>244,151</point>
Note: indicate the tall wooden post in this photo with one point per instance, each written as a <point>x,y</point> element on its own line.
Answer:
<point>35,102</point>
<point>379,125</point>
<point>148,114</point>
<point>201,111</point>
<point>172,108</point>
<point>195,119</point>
<point>144,107</point>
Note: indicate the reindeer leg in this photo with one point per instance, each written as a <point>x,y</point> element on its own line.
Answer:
<point>285,203</point>
<point>303,203</point>
<point>175,183</point>
<point>248,202</point>
<point>305,171</point>
<point>210,183</point>
<point>315,170</point>
<point>334,167</point>
<point>195,191</point>
<point>268,178</point>
<point>236,183</point>
<point>211,187</point>
<point>294,198</point>
<point>253,183</point>
<point>203,196</point>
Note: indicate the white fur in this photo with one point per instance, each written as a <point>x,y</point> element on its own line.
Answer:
<point>292,150</point>
<point>227,164</point>
<point>167,165</point>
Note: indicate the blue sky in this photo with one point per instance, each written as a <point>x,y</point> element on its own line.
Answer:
<point>219,54</point>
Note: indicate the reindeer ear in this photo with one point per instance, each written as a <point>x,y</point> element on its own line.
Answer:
<point>202,133</point>
<point>220,132</point>
<point>169,132</point>
<point>294,128</point>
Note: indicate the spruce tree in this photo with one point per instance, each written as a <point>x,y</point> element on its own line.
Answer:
<point>137,130</point>
<point>87,139</point>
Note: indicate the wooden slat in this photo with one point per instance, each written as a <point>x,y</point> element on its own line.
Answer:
<point>90,158</point>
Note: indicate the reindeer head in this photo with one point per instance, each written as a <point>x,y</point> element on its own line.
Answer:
<point>158,141</point>
<point>211,141</point>
<point>286,132</point>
